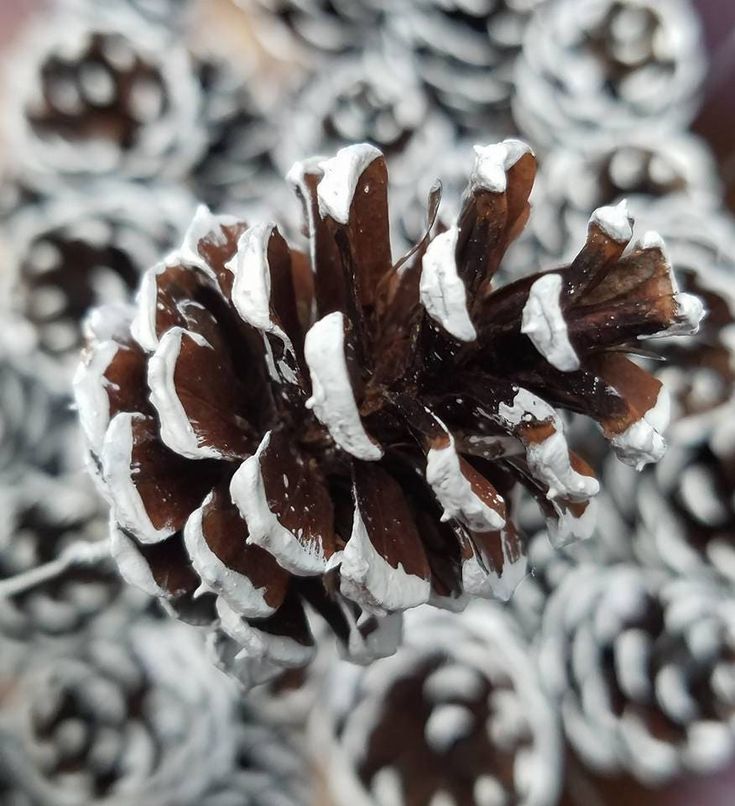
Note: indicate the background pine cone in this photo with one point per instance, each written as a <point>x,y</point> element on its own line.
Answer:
<point>76,247</point>
<point>271,455</point>
<point>458,715</point>
<point>465,53</point>
<point>129,718</point>
<point>607,66</point>
<point>91,97</point>
<point>642,667</point>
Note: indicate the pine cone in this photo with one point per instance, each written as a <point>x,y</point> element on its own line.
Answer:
<point>373,97</point>
<point>457,716</point>
<point>418,391</point>
<point>465,53</point>
<point>607,66</point>
<point>307,30</point>
<point>642,667</point>
<point>639,165</point>
<point>236,170</point>
<point>76,247</point>
<point>140,717</point>
<point>100,97</point>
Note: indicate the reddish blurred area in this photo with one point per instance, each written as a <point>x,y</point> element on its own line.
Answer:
<point>12,15</point>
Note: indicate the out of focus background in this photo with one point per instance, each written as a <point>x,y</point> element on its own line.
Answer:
<point>610,676</point>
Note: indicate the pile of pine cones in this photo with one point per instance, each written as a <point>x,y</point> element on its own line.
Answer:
<point>365,406</point>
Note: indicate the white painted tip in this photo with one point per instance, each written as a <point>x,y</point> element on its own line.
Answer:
<point>614,221</point>
<point>342,172</point>
<point>492,162</point>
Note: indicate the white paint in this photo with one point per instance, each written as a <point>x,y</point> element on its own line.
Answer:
<point>380,642</point>
<point>132,565</point>
<point>454,492</point>
<point>177,431</point>
<point>442,290</point>
<point>342,172</point>
<point>488,791</point>
<point>614,221</point>
<point>90,392</point>
<point>543,322</point>
<point>143,326</point>
<point>368,579</point>
<point>251,294</point>
<point>567,526</point>
<point>550,463</point>
<point>248,493</point>
<point>235,588</point>
<point>492,162</point>
<point>446,725</point>
<point>260,646</point>
<point>332,399</point>
<point>127,505</point>
<point>452,680</point>
<point>204,226</point>
<point>652,240</point>
<point>643,441</point>
<point>296,178</point>
<point>479,579</point>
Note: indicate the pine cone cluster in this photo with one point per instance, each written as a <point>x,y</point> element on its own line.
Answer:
<point>457,716</point>
<point>116,721</point>
<point>100,97</point>
<point>607,66</point>
<point>642,666</point>
<point>259,417</point>
<point>77,247</point>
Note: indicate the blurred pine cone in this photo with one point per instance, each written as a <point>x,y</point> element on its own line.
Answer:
<point>77,246</point>
<point>307,30</point>
<point>372,97</point>
<point>136,716</point>
<point>236,170</point>
<point>465,51</point>
<point>607,66</point>
<point>101,97</point>
<point>642,668</point>
<point>350,437</point>
<point>457,716</point>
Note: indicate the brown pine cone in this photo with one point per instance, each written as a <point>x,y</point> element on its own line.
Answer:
<point>458,716</point>
<point>102,97</point>
<point>642,668</point>
<point>607,66</point>
<point>349,436</point>
<point>79,246</point>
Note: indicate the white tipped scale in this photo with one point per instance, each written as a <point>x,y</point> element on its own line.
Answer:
<point>143,325</point>
<point>204,225</point>
<point>371,581</point>
<point>342,172</point>
<point>235,588</point>
<point>442,290</point>
<point>614,221</point>
<point>177,432</point>
<point>247,489</point>
<point>544,324</point>
<point>454,491</point>
<point>643,442</point>
<point>487,583</point>
<point>251,295</point>
<point>90,394</point>
<point>549,462</point>
<point>117,471</point>
<point>652,240</point>
<point>492,163</point>
<point>332,399</point>
<point>132,564</point>
<point>568,527</point>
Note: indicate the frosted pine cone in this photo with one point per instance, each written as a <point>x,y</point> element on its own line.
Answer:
<point>457,716</point>
<point>642,667</point>
<point>465,53</point>
<point>636,164</point>
<point>74,248</point>
<point>607,66</point>
<point>266,418</point>
<point>372,97</point>
<point>101,98</point>
<point>309,29</point>
<point>138,718</point>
